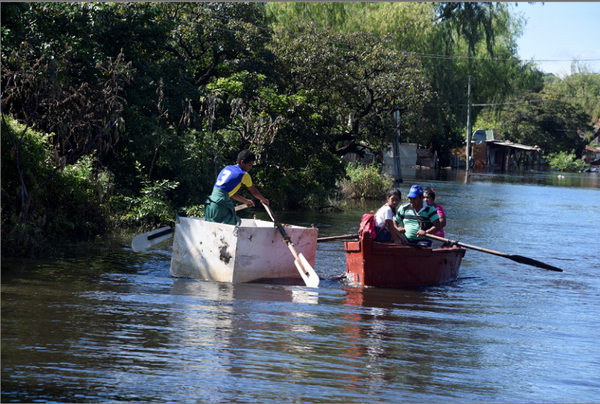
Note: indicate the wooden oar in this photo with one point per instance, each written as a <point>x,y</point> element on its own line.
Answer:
<point>308,274</point>
<point>337,238</point>
<point>144,241</point>
<point>517,258</point>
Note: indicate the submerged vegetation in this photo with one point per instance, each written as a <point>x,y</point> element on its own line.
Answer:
<point>365,182</point>
<point>122,114</point>
<point>564,161</point>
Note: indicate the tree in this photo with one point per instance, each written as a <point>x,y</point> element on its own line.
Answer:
<point>81,120</point>
<point>472,21</point>
<point>453,41</point>
<point>552,123</point>
<point>217,38</point>
<point>582,87</point>
<point>356,82</point>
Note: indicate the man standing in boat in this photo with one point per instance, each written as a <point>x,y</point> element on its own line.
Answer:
<point>416,218</point>
<point>218,207</point>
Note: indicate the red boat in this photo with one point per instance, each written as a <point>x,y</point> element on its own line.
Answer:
<point>390,265</point>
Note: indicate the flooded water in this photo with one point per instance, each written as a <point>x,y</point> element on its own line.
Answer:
<point>106,324</point>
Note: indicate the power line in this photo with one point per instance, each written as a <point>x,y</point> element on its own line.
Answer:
<point>507,103</point>
<point>510,102</point>
<point>419,54</point>
<point>435,56</point>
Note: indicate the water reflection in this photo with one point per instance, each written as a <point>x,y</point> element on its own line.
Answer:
<point>551,178</point>
<point>244,320</point>
<point>409,338</point>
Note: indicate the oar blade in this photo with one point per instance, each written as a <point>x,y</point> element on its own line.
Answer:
<point>312,279</point>
<point>144,241</point>
<point>532,262</point>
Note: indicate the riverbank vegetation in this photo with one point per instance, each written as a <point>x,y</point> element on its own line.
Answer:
<point>364,182</point>
<point>564,161</point>
<point>122,114</point>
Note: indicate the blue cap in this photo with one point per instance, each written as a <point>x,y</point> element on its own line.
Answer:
<point>415,191</point>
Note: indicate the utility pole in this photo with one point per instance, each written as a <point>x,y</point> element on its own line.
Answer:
<point>396,149</point>
<point>468,125</point>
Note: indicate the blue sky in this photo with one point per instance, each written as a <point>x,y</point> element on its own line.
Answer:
<point>560,31</point>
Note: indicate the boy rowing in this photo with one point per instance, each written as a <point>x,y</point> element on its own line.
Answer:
<point>218,206</point>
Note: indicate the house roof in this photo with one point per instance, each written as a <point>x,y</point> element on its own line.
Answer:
<point>506,143</point>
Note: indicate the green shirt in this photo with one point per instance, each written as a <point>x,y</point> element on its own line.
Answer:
<point>409,219</point>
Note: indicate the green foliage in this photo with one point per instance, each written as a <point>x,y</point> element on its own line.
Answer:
<point>35,156</point>
<point>550,122</point>
<point>452,30</point>
<point>71,205</point>
<point>564,161</point>
<point>193,211</point>
<point>153,205</point>
<point>557,117</point>
<point>581,87</point>
<point>356,82</point>
<point>365,182</point>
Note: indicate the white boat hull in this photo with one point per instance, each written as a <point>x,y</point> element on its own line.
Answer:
<point>256,250</point>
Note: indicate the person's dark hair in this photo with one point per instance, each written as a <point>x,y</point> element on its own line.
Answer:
<point>430,192</point>
<point>245,156</point>
<point>392,192</point>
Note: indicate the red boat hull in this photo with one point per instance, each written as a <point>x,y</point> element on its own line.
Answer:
<point>372,263</point>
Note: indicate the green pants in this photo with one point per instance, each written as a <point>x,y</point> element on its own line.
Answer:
<point>219,209</point>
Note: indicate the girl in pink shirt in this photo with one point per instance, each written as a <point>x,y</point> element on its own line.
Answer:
<point>429,197</point>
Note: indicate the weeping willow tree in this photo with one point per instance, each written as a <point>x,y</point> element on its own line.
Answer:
<point>453,41</point>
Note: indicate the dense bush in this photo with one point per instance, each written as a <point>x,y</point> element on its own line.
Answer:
<point>71,205</point>
<point>564,161</point>
<point>152,206</point>
<point>365,182</point>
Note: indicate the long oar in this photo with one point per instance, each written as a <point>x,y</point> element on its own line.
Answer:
<point>144,241</point>
<point>517,258</point>
<point>337,238</point>
<point>308,274</point>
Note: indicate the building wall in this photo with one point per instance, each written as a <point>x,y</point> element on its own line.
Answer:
<point>408,157</point>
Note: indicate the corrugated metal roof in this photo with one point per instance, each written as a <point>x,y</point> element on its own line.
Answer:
<point>506,143</point>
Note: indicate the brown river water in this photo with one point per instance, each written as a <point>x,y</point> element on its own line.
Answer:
<point>105,324</point>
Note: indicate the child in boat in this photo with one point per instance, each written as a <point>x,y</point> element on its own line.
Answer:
<point>384,219</point>
<point>429,197</point>
<point>218,206</point>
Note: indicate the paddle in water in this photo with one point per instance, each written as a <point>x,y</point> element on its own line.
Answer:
<point>517,258</point>
<point>308,274</point>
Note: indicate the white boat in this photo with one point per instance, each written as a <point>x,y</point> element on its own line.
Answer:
<point>253,251</point>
